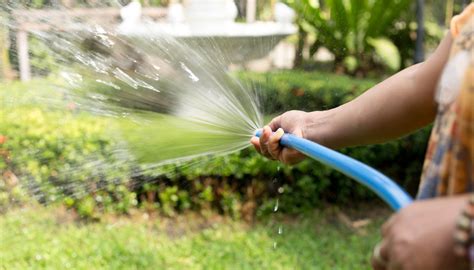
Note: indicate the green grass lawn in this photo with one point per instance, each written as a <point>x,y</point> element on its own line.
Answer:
<point>39,238</point>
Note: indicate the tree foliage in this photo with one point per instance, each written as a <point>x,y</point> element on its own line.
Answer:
<point>360,34</point>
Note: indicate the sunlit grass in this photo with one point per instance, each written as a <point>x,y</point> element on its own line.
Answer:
<point>42,239</point>
<point>155,138</point>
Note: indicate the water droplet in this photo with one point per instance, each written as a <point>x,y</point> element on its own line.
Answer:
<point>281,190</point>
<point>124,77</point>
<point>275,208</point>
<point>192,76</point>
<point>280,230</point>
<point>147,86</point>
<point>274,245</point>
<point>72,79</point>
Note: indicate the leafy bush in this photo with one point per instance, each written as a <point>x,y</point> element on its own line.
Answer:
<point>289,90</point>
<point>42,61</point>
<point>361,34</point>
<point>68,157</point>
<point>60,155</point>
<point>64,157</point>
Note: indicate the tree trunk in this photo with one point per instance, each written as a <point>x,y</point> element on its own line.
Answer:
<point>420,32</point>
<point>298,61</point>
<point>449,11</point>
<point>241,8</point>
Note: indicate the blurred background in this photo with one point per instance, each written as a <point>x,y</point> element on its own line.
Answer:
<point>68,199</point>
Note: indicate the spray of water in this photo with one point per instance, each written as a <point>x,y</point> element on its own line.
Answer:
<point>175,100</point>
<point>168,100</point>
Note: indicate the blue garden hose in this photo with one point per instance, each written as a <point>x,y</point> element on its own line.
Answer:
<point>385,188</point>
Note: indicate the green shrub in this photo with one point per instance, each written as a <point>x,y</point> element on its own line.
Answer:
<point>60,156</point>
<point>290,90</point>
<point>69,157</point>
<point>42,61</point>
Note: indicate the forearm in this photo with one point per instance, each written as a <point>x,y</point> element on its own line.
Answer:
<point>390,109</point>
<point>397,106</point>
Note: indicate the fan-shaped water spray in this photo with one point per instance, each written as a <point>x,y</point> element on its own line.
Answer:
<point>173,100</point>
<point>167,100</point>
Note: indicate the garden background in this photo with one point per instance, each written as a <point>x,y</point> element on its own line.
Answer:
<point>239,211</point>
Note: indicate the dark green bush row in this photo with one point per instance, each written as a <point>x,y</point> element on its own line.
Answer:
<point>68,157</point>
<point>298,90</point>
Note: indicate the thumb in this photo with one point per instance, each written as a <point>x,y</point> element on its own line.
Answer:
<point>275,123</point>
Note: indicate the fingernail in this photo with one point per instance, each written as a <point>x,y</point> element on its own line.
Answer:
<point>280,132</point>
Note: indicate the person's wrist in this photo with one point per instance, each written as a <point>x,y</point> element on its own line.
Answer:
<point>317,127</point>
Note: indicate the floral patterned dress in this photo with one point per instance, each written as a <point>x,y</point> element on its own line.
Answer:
<point>449,162</point>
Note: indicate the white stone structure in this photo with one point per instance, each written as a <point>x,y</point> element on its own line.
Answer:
<point>240,42</point>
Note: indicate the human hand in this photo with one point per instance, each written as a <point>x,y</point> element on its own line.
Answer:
<point>420,236</point>
<point>268,144</point>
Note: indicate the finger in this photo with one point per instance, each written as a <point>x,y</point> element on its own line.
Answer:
<point>256,144</point>
<point>290,156</point>
<point>266,133</point>
<point>376,265</point>
<point>387,226</point>
<point>384,250</point>
<point>274,147</point>
<point>379,259</point>
<point>275,123</point>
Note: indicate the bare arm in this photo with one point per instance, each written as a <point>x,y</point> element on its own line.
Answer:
<point>397,106</point>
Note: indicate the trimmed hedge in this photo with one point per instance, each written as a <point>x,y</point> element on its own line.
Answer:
<point>299,90</point>
<point>47,150</point>
<point>51,154</point>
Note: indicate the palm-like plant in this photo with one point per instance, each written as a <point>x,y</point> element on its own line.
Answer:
<point>357,32</point>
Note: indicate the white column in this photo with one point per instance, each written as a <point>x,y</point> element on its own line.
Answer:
<point>23,55</point>
<point>251,13</point>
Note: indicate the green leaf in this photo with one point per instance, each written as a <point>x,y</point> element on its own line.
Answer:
<point>386,51</point>
<point>339,15</point>
<point>350,63</point>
